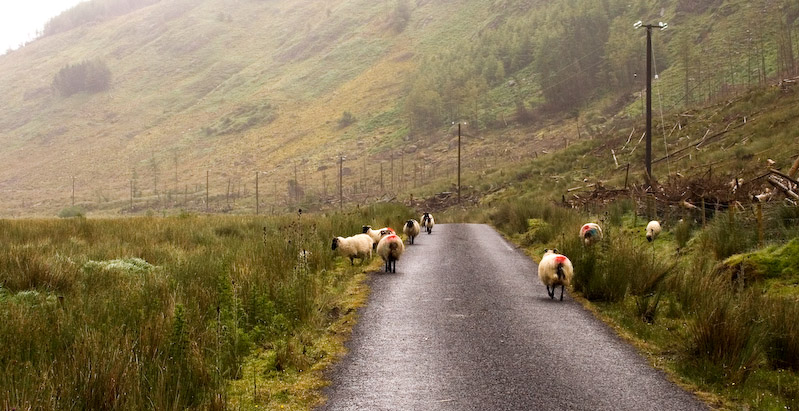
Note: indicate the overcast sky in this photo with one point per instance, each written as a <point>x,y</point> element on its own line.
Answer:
<point>21,19</point>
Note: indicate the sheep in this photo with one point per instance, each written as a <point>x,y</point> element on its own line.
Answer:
<point>390,248</point>
<point>357,246</point>
<point>553,270</point>
<point>591,233</point>
<point>375,234</point>
<point>428,222</point>
<point>652,230</point>
<point>411,229</point>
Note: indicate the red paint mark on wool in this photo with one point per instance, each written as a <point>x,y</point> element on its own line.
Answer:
<point>392,236</point>
<point>560,259</point>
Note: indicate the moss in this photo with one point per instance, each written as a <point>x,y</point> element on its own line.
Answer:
<point>767,263</point>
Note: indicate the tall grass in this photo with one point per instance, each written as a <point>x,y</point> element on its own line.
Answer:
<point>158,313</point>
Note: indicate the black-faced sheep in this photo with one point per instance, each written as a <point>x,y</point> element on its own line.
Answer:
<point>357,246</point>
<point>555,270</point>
<point>390,249</point>
<point>652,230</point>
<point>428,222</point>
<point>591,233</point>
<point>411,229</point>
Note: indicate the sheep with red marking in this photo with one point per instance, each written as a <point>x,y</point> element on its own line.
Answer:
<point>555,270</point>
<point>390,249</point>
<point>375,234</point>
<point>411,229</point>
<point>591,234</point>
<point>357,246</point>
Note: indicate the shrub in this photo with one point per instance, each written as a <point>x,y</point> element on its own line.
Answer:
<point>72,211</point>
<point>346,119</point>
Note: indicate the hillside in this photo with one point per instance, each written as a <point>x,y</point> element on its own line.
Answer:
<point>231,88</point>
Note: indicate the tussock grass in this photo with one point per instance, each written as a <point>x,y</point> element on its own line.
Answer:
<point>161,313</point>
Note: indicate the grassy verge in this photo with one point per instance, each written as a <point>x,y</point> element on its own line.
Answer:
<point>175,313</point>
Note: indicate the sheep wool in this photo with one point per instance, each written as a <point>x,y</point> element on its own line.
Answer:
<point>428,222</point>
<point>390,249</point>
<point>555,270</point>
<point>591,233</point>
<point>652,230</point>
<point>375,234</point>
<point>357,246</point>
<point>411,229</point>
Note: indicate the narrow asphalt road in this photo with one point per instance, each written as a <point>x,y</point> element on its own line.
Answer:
<point>465,324</point>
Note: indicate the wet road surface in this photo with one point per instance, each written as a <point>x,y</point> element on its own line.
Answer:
<point>465,324</point>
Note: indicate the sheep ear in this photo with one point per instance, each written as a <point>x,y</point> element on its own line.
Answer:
<point>555,250</point>
<point>545,250</point>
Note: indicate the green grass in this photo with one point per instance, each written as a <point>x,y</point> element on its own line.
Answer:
<point>731,339</point>
<point>166,313</point>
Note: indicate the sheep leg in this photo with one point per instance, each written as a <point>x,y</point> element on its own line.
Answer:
<point>551,293</point>
<point>352,261</point>
<point>561,291</point>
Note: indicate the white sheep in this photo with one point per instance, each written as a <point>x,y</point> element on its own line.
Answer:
<point>652,230</point>
<point>375,234</point>
<point>411,229</point>
<point>555,270</point>
<point>428,222</point>
<point>591,233</point>
<point>357,246</point>
<point>390,249</point>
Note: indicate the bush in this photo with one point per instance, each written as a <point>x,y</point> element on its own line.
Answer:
<point>72,211</point>
<point>346,119</point>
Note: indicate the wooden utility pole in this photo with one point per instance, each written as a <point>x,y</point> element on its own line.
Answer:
<point>207,178</point>
<point>648,156</point>
<point>459,163</point>
<point>296,185</point>
<point>257,198</point>
<point>382,187</point>
<point>73,191</point>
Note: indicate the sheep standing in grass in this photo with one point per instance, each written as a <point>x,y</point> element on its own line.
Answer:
<point>375,234</point>
<point>428,222</point>
<point>357,246</point>
<point>390,248</point>
<point>555,270</point>
<point>652,230</point>
<point>591,233</point>
<point>411,229</point>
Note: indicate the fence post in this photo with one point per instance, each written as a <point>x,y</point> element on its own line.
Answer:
<point>760,233</point>
<point>257,198</point>
<point>704,222</point>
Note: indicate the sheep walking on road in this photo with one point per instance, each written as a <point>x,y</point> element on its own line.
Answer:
<point>591,233</point>
<point>411,229</point>
<point>390,249</point>
<point>652,230</point>
<point>555,270</point>
<point>428,222</point>
<point>357,246</point>
<point>375,234</point>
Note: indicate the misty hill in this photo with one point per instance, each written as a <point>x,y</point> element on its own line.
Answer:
<point>144,100</point>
